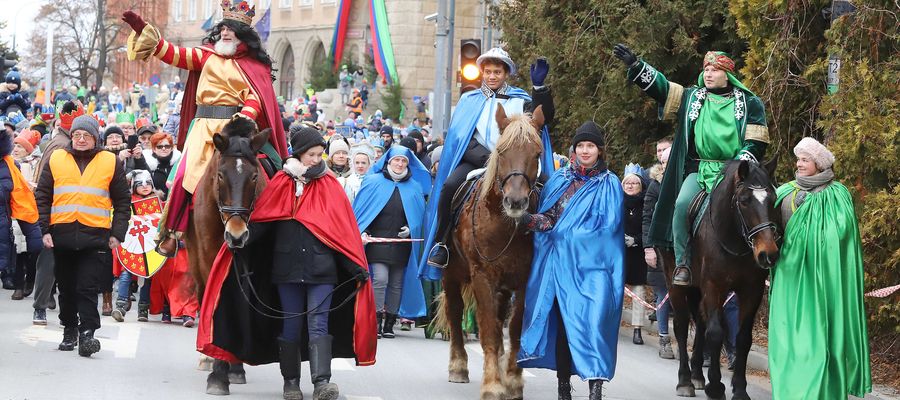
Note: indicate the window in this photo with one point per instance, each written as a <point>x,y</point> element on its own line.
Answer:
<point>207,8</point>
<point>329,2</point>
<point>176,10</point>
<point>306,3</point>
<point>285,3</point>
<point>192,10</point>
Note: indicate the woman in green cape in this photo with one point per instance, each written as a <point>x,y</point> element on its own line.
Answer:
<point>818,348</point>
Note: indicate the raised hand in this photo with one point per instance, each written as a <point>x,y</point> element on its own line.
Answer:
<point>539,70</point>
<point>135,21</point>
<point>623,53</point>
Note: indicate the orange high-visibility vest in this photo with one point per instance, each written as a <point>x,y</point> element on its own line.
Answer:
<point>82,197</point>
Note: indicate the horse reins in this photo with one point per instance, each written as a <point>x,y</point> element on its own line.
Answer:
<point>746,233</point>
<point>512,236</point>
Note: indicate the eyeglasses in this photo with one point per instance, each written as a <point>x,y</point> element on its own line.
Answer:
<point>79,136</point>
<point>164,147</point>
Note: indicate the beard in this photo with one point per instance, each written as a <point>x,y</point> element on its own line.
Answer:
<point>226,49</point>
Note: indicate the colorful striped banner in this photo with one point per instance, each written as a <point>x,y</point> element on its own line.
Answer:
<point>339,37</point>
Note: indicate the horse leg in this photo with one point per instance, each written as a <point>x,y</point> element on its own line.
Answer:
<point>715,334</point>
<point>749,304</point>
<point>512,377</point>
<point>217,381</point>
<point>681,321</point>
<point>205,364</point>
<point>236,374</point>
<point>490,336</point>
<point>697,378</point>
<point>459,360</point>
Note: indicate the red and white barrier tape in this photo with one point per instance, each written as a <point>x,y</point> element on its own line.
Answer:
<point>392,240</point>
<point>884,292</point>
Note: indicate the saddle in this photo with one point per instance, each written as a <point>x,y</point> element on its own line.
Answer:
<point>462,194</point>
<point>697,208</point>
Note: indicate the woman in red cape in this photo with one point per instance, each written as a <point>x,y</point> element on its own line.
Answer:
<point>268,301</point>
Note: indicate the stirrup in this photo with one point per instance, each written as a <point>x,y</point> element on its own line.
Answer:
<point>160,251</point>
<point>437,247</point>
<point>677,282</point>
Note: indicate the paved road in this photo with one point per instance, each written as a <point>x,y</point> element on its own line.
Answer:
<point>153,360</point>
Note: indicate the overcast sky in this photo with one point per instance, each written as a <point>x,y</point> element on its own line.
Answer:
<point>19,17</point>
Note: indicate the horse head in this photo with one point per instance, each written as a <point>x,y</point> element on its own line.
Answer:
<point>513,165</point>
<point>754,209</point>
<point>236,183</point>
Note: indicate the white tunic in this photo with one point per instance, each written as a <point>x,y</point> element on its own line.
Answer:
<point>486,130</point>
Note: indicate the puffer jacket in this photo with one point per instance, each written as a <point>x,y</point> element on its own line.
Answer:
<point>655,276</point>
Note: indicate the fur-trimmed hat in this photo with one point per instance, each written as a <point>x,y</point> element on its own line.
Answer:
<point>497,54</point>
<point>820,154</point>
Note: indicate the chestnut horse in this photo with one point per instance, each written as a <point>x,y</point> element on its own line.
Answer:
<point>223,201</point>
<point>733,249</point>
<point>491,257</point>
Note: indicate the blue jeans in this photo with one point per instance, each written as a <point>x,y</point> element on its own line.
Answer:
<point>123,288</point>
<point>662,313</point>
<point>297,298</point>
<point>732,323</point>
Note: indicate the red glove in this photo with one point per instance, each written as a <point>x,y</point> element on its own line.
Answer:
<point>135,21</point>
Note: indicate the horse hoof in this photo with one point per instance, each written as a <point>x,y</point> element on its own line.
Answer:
<point>492,392</point>
<point>459,376</point>
<point>685,391</point>
<point>699,383</point>
<point>217,388</point>
<point>238,378</point>
<point>715,391</point>
<point>205,364</point>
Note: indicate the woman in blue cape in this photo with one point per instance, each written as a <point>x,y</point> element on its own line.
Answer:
<point>391,204</point>
<point>573,300</point>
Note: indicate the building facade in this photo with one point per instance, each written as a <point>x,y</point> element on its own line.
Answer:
<point>123,72</point>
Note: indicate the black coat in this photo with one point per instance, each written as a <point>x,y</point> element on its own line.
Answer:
<point>387,225</point>
<point>655,276</point>
<point>635,266</point>
<point>298,256</point>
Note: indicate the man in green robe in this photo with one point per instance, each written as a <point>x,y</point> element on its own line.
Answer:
<point>716,121</point>
<point>818,346</point>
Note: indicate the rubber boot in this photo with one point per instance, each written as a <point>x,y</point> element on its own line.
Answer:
<point>564,387</point>
<point>320,368</point>
<point>387,331</point>
<point>596,386</point>
<point>87,344</point>
<point>107,304</point>
<point>665,348</point>
<point>289,361</point>
<point>70,339</point>
<point>121,308</point>
<point>379,319</point>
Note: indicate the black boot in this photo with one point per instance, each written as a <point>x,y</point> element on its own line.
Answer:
<point>682,276</point>
<point>387,331</point>
<point>70,339</point>
<point>121,308</point>
<point>596,386</point>
<point>439,256</point>
<point>320,368</point>
<point>379,319</point>
<point>565,389</point>
<point>143,312</point>
<point>289,361</point>
<point>637,339</point>
<point>87,344</point>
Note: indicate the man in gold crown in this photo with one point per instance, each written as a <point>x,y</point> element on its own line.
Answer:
<point>230,77</point>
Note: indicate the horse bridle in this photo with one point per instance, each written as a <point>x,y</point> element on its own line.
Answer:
<point>226,213</point>
<point>747,233</point>
<point>502,183</point>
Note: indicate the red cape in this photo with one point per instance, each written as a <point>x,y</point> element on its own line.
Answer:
<point>323,202</point>
<point>260,77</point>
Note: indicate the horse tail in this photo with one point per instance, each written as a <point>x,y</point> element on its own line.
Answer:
<point>441,321</point>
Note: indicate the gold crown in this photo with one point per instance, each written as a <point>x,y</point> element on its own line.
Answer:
<point>241,12</point>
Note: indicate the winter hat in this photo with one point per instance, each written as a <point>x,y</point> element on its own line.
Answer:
<point>386,129</point>
<point>32,136</point>
<point>113,130</point>
<point>13,77</point>
<point>418,136</point>
<point>88,124</point>
<point>436,154</point>
<point>140,177</point>
<point>409,143</point>
<point>820,154</point>
<point>303,138</point>
<point>338,145</point>
<point>589,131</point>
<point>21,140</point>
<point>363,148</point>
<point>497,54</point>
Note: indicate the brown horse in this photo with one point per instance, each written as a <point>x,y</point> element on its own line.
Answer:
<point>491,257</point>
<point>733,249</point>
<point>223,201</point>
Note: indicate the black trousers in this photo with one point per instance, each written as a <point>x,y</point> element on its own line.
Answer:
<point>451,185</point>
<point>26,266</point>
<point>563,354</point>
<point>80,274</point>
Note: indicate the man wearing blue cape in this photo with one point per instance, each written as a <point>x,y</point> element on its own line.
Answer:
<point>573,301</point>
<point>391,204</point>
<point>472,136</point>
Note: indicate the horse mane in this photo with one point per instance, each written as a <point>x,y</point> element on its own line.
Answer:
<point>239,128</point>
<point>520,132</point>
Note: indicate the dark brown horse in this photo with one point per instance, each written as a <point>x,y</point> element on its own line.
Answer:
<point>223,201</point>
<point>733,249</point>
<point>491,257</point>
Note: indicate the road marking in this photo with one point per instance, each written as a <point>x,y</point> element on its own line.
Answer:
<point>37,333</point>
<point>341,364</point>
<point>348,397</point>
<point>476,348</point>
<point>124,346</point>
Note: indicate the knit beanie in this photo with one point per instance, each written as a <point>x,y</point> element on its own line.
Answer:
<point>820,154</point>
<point>113,130</point>
<point>21,140</point>
<point>303,138</point>
<point>589,131</point>
<point>436,154</point>
<point>338,145</point>
<point>409,143</point>
<point>88,124</point>
<point>387,129</point>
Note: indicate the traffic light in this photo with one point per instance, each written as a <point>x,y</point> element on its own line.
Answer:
<point>469,75</point>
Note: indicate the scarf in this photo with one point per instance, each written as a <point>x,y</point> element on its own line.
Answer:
<point>397,177</point>
<point>816,182</point>
<point>585,173</point>
<point>303,174</point>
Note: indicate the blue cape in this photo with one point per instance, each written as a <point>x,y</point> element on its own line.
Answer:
<point>462,127</point>
<point>579,266</point>
<point>374,193</point>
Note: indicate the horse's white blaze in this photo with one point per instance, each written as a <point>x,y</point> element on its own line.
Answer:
<point>240,166</point>
<point>760,195</point>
